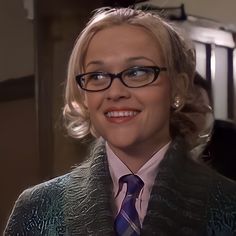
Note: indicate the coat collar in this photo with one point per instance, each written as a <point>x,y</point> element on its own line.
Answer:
<point>89,197</point>
<point>176,207</point>
<point>179,196</point>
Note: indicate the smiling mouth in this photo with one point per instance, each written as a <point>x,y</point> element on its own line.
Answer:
<point>120,114</point>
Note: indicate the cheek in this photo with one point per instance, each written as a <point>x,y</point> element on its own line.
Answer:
<point>89,101</point>
<point>85,100</point>
<point>160,105</point>
<point>160,97</point>
<point>93,101</point>
<point>161,108</point>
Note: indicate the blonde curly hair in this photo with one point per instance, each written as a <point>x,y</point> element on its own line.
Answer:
<point>188,120</point>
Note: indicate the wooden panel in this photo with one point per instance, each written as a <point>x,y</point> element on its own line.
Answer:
<point>231,91</point>
<point>18,88</point>
<point>57,24</point>
<point>18,151</point>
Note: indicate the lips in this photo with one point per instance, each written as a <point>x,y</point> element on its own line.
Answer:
<point>121,115</point>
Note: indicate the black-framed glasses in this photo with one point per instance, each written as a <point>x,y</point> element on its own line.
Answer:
<point>134,77</point>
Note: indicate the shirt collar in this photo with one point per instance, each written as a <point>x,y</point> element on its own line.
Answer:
<point>147,172</point>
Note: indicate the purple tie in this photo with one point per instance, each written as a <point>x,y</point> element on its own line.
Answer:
<point>127,221</point>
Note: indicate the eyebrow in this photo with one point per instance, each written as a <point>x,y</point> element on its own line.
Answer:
<point>128,60</point>
<point>97,62</point>
<point>140,58</point>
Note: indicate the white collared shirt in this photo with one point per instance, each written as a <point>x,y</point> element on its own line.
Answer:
<point>147,173</point>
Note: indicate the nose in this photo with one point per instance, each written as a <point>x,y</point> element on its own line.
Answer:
<point>117,91</point>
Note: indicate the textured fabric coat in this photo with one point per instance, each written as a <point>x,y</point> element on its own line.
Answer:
<point>187,199</point>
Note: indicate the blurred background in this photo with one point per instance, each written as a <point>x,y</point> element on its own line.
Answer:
<point>36,38</point>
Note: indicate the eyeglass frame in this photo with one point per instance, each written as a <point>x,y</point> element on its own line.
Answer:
<point>113,76</point>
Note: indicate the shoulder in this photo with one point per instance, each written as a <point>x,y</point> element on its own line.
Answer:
<point>41,207</point>
<point>221,202</point>
<point>44,192</point>
<point>38,206</point>
<point>220,189</point>
<point>196,182</point>
<point>221,212</point>
<point>223,192</point>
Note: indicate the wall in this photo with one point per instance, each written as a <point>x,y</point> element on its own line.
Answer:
<point>222,11</point>
<point>19,164</point>
<point>16,41</point>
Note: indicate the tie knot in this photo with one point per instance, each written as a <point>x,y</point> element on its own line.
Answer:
<point>134,184</point>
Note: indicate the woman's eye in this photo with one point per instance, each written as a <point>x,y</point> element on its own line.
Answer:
<point>136,73</point>
<point>96,77</point>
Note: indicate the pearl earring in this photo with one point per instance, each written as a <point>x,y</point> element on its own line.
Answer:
<point>177,103</point>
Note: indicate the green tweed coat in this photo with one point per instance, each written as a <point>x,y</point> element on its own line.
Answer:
<point>187,199</point>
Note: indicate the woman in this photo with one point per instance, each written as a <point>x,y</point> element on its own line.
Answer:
<point>130,84</point>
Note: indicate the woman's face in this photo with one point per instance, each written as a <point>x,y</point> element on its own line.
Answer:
<point>128,117</point>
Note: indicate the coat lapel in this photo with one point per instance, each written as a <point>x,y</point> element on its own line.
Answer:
<point>89,197</point>
<point>179,196</point>
<point>177,204</point>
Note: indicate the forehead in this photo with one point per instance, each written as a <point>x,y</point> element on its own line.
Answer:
<point>124,33</point>
<point>124,39</point>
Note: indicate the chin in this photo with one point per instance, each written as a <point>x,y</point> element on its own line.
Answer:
<point>124,144</point>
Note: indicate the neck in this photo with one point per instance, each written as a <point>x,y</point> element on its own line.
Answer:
<point>135,158</point>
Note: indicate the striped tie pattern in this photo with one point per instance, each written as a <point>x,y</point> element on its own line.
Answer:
<point>127,221</point>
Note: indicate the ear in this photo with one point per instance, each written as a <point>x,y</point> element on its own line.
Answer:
<point>179,90</point>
